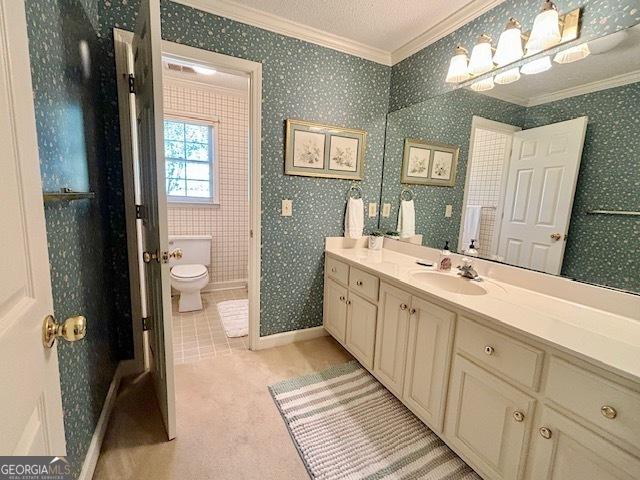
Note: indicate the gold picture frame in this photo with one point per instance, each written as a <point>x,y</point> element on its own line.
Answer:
<point>326,151</point>
<point>429,163</point>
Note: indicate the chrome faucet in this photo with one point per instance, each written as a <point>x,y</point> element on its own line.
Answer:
<point>467,271</point>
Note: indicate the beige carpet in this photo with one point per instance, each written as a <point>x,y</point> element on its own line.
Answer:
<point>228,425</point>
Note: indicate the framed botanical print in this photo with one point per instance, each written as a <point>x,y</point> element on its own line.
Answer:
<point>319,150</point>
<point>429,163</point>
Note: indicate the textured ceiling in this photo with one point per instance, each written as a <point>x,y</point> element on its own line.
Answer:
<point>382,24</point>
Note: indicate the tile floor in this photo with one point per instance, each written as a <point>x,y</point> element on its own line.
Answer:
<point>200,335</point>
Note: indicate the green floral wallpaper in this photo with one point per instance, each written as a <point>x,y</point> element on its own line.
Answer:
<point>302,81</point>
<point>421,75</point>
<point>65,69</point>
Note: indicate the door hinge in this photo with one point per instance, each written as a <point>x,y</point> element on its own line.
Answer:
<point>132,83</point>
<point>141,212</point>
<point>146,324</point>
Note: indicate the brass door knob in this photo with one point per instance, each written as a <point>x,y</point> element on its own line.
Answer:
<point>359,283</point>
<point>489,350</point>
<point>556,236</point>
<point>72,330</point>
<point>609,412</point>
<point>545,432</point>
<point>403,306</point>
<point>177,254</point>
<point>518,416</point>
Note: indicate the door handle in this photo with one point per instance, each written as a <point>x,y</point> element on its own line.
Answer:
<point>177,254</point>
<point>148,256</point>
<point>72,330</point>
<point>556,236</point>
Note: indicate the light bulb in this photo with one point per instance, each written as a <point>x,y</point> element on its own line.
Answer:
<point>509,44</point>
<point>458,68</point>
<point>509,76</point>
<point>573,54</point>
<point>546,29</point>
<point>481,61</point>
<point>482,85</point>
<point>537,66</point>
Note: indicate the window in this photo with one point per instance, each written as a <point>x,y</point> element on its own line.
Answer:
<point>189,155</point>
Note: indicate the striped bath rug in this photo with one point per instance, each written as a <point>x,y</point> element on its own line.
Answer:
<point>234,315</point>
<point>346,425</point>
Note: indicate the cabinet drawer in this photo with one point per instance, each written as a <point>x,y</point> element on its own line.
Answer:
<point>518,361</point>
<point>337,270</point>
<point>587,394</point>
<point>364,284</point>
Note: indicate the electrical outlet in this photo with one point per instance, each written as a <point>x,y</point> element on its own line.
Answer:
<point>373,209</point>
<point>287,207</point>
<point>448,211</point>
<point>386,210</point>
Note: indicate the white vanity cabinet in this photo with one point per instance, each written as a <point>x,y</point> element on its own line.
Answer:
<point>348,316</point>
<point>562,449</point>
<point>512,407</point>
<point>488,420</point>
<point>391,338</point>
<point>427,366</point>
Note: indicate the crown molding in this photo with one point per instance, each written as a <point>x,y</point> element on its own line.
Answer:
<point>591,87</point>
<point>457,19</point>
<point>289,28</point>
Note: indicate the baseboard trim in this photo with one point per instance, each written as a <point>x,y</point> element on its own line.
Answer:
<point>91,458</point>
<point>286,338</point>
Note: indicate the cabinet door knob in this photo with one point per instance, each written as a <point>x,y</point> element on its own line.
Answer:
<point>609,412</point>
<point>412,311</point>
<point>518,416</point>
<point>403,306</point>
<point>545,432</point>
<point>489,350</point>
<point>359,283</point>
<point>342,298</point>
<point>348,302</point>
<point>333,270</point>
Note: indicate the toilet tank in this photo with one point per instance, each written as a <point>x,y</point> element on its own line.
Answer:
<point>195,249</point>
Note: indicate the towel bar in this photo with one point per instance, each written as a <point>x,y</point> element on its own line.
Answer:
<point>614,212</point>
<point>409,191</point>
<point>355,189</point>
<point>66,194</point>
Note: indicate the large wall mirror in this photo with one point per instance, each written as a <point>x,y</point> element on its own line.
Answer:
<point>548,166</point>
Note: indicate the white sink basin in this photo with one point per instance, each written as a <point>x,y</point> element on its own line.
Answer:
<point>450,283</point>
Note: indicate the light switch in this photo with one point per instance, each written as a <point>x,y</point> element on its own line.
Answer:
<point>287,207</point>
<point>373,209</point>
<point>448,211</point>
<point>386,210</point>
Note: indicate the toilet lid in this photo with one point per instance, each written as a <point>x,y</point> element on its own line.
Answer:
<point>188,271</point>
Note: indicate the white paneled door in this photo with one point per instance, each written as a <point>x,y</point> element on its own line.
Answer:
<point>539,195</point>
<point>147,54</point>
<point>30,402</point>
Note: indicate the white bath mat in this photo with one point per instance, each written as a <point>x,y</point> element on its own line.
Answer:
<point>234,315</point>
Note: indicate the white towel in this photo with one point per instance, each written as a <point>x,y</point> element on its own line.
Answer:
<point>407,219</point>
<point>354,218</point>
<point>471,230</point>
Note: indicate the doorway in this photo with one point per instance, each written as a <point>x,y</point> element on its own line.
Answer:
<point>206,144</point>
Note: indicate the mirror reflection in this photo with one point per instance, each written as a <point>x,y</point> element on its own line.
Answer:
<point>537,166</point>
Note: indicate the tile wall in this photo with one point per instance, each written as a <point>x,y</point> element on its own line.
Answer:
<point>227,222</point>
<point>486,169</point>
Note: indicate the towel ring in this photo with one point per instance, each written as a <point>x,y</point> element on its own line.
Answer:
<point>357,189</point>
<point>409,191</point>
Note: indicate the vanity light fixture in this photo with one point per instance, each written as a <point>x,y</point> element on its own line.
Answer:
<point>546,29</point>
<point>458,68</point>
<point>482,85</point>
<point>539,65</point>
<point>481,56</point>
<point>508,76</point>
<point>573,54</point>
<point>509,44</point>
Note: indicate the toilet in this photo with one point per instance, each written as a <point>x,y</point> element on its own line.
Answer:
<point>189,274</point>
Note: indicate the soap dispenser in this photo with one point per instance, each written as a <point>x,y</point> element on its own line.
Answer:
<point>472,251</point>
<point>444,264</point>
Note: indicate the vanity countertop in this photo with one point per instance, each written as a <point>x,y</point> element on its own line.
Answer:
<point>608,339</point>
